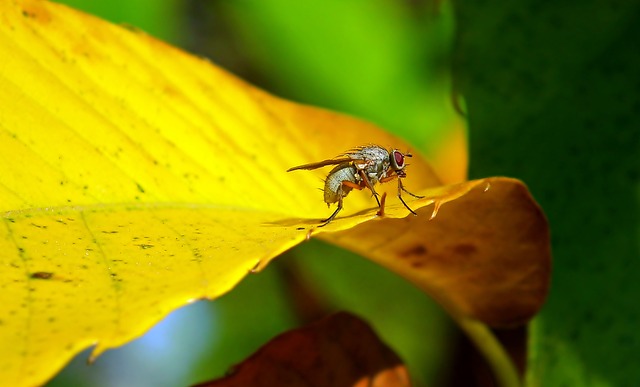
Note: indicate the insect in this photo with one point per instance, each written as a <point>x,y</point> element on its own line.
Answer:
<point>359,168</point>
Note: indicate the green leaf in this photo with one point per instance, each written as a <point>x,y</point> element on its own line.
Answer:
<point>552,97</point>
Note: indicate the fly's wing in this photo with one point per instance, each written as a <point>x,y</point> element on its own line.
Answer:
<point>321,164</point>
<point>361,157</point>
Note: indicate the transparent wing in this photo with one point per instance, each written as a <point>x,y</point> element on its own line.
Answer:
<point>361,156</point>
<point>321,164</point>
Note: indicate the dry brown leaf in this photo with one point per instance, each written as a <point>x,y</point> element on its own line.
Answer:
<point>485,255</point>
<point>341,350</point>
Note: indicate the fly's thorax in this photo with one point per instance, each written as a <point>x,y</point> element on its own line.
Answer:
<point>333,188</point>
<point>383,169</point>
<point>372,153</point>
<point>373,160</point>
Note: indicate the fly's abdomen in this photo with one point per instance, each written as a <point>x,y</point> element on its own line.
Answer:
<point>333,188</point>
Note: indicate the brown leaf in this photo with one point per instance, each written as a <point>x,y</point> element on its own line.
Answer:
<point>486,255</point>
<point>341,350</point>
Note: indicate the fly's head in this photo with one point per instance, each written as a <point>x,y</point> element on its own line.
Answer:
<point>397,160</point>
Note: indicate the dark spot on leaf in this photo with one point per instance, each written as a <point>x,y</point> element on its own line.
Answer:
<point>465,249</point>
<point>11,220</point>
<point>110,232</point>
<point>140,187</point>
<point>417,264</point>
<point>44,275</point>
<point>413,251</point>
<point>144,246</point>
<point>38,226</point>
<point>26,13</point>
<point>300,228</point>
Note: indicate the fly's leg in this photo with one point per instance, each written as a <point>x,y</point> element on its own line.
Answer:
<point>391,177</point>
<point>382,200</point>
<point>329,219</point>
<point>345,183</point>
<point>388,178</point>
<point>368,184</point>
<point>414,195</point>
<point>400,189</point>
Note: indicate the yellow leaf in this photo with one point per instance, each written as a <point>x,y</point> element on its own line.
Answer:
<point>136,178</point>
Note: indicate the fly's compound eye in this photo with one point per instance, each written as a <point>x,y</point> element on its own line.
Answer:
<point>397,160</point>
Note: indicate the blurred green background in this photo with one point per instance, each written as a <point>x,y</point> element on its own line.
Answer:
<point>552,93</point>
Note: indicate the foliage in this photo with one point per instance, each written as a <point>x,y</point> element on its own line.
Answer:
<point>552,96</point>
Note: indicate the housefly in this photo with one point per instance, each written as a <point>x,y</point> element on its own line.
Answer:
<point>359,168</point>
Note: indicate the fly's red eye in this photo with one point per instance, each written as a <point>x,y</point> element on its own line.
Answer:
<point>399,157</point>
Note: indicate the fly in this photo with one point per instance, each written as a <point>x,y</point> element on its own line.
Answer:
<point>360,168</point>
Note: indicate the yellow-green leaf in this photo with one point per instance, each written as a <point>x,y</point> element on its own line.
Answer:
<point>136,178</point>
